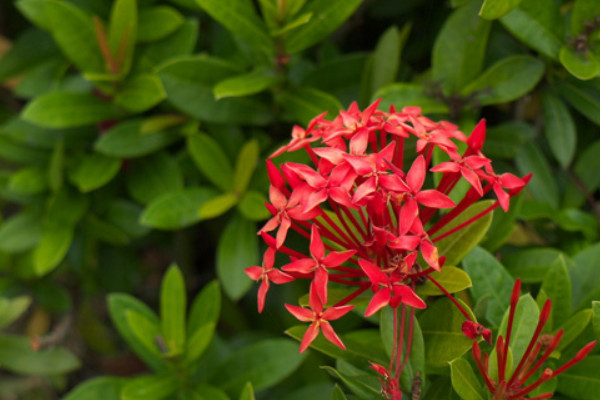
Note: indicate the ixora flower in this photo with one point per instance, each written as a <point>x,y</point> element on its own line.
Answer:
<point>368,207</point>
<point>520,384</point>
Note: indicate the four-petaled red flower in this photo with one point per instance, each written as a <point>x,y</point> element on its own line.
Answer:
<point>266,273</point>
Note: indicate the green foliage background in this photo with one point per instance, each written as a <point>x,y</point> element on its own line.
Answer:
<point>133,134</point>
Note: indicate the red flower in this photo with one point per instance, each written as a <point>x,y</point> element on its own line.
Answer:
<point>266,273</point>
<point>319,320</point>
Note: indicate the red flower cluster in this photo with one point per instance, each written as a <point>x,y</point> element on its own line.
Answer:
<point>370,213</point>
<point>516,387</point>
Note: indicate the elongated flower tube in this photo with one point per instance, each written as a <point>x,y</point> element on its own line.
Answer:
<point>518,385</point>
<point>370,211</point>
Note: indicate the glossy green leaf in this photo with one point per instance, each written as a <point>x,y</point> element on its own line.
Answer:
<point>205,308</point>
<point>573,327</point>
<point>189,83</point>
<point>441,324</point>
<point>338,394</point>
<point>93,171</point>
<point>199,341</point>
<point>492,281</point>
<point>296,22</point>
<point>506,80</point>
<point>178,209</point>
<point>125,215</point>
<point>303,104</point>
<point>252,206</point>
<point>559,129</point>
<point>52,247</point>
<point>245,166</point>
<point>584,97</point>
<point>122,32</point>
<point>66,207</point>
<point>173,310</point>
<point>362,384</point>
<point>145,331</point>
<point>584,277</point>
<point>211,160</point>
<point>103,230</point>
<point>531,265</point>
<point>263,363</point>
<point>239,17</point>
<point>253,82</point>
<point>202,391</point>
<point>247,392</point>
<point>55,169</point>
<point>30,49</point>
<point>150,387</point>
<point>409,94</point>
<point>118,305</point>
<point>29,180</point>
<point>68,109</point>
<point>326,16</point>
<point>586,165</point>
<point>160,122</point>
<point>156,22</point>
<point>12,308</point>
<point>575,220</point>
<point>526,319</point>
<point>494,9</point>
<point>543,184</point>
<point>465,382</point>
<point>386,57</point>
<point>34,11</point>
<point>557,286</point>
<point>152,176</point>
<point>236,251</point>
<point>16,355</point>
<point>459,49</point>
<point>21,232</point>
<point>582,381</point>
<point>596,318</point>
<point>451,278</point>
<point>102,388</point>
<point>73,31</point>
<point>581,65</point>
<point>536,23</point>
<point>457,245</point>
<point>583,12</point>
<point>180,43</point>
<point>140,93</point>
<point>217,206</point>
<point>126,140</point>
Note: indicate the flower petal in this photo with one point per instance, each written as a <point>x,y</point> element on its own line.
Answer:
<point>311,334</point>
<point>379,300</point>
<point>416,174</point>
<point>330,334</point>
<point>302,314</point>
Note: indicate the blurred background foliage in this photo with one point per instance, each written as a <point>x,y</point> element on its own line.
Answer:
<point>133,134</point>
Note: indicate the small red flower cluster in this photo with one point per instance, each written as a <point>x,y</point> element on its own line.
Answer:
<point>372,222</point>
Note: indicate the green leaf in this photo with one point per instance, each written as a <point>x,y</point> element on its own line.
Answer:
<point>581,65</point>
<point>584,97</point>
<point>531,265</point>
<point>199,341</point>
<point>492,280</point>
<point>526,319</point>
<point>596,318</point>
<point>451,278</point>
<point>153,176</point>
<point>145,331</point>
<point>362,384</point>
<point>16,355</point>
<point>573,327</point>
<point>464,380</point>
<point>256,81</point>
<point>326,17</point>
<point>30,49</point>
<point>245,166</point>
<point>180,43</point>
<point>584,277</point>
<point>29,180</point>
<point>211,160</point>
<point>252,206</point>
<point>559,128</point>
<point>202,391</point>
<point>557,286</point>
<point>543,184</point>
<point>140,93</point>
<point>122,32</point>
<point>264,363</point>
<point>160,122</point>
<point>217,206</point>
<point>105,231</point>
<point>94,171</point>
<point>66,207</point>
<point>126,140</point>
<point>156,22</point>
<point>21,232</point>
<point>506,80</point>
<point>237,250</point>
<point>189,83</point>
<point>12,308</point>
<point>205,309</point>
<point>150,387</point>
<point>457,245</point>
<point>68,109</point>
<point>338,394</point>
<point>239,17</point>
<point>408,94</point>
<point>247,392</point>
<point>537,24</point>
<point>386,57</point>
<point>52,247</point>
<point>176,210</point>
<point>56,167</point>
<point>125,215</point>
<point>494,9</point>
<point>441,324</point>
<point>582,381</point>
<point>305,103</point>
<point>173,310</point>
<point>118,305</point>
<point>459,49</point>
<point>298,21</point>
<point>74,33</point>
<point>583,12</point>
<point>102,388</point>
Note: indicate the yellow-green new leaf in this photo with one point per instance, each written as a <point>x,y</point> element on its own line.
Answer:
<point>242,85</point>
<point>140,93</point>
<point>464,381</point>
<point>245,166</point>
<point>452,279</point>
<point>172,310</point>
<point>52,248</point>
<point>217,206</point>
